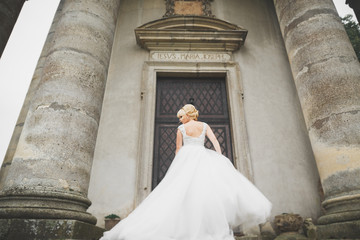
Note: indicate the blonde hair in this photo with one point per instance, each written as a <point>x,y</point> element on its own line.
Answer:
<point>189,110</point>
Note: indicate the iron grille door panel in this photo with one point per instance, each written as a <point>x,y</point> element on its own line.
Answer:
<point>208,95</point>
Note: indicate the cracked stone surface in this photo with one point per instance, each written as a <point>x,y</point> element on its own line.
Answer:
<point>326,73</point>
<point>54,154</point>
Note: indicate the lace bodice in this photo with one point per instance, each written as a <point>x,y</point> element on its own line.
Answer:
<point>193,140</point>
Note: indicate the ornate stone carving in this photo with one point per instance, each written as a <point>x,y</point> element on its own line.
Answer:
<point>190,33</point>
<point>207,8</point>
<point>288,222</point>
<point>170,5</point>
<point>309,228</point>
<point>172,11</point>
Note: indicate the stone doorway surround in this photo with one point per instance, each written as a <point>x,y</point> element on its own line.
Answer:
<point>189,46</point>
<point>194,64</point>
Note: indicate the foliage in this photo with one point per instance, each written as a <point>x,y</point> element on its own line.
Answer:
<point>112,216</point>
<point>353,31</point>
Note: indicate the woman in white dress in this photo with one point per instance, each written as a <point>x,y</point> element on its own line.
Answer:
<point>201,197</point>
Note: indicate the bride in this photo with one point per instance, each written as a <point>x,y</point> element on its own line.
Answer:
<point>202,196</point>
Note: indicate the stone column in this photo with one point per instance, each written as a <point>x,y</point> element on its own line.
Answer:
<point>9,12</point>
<point>50,170</point>
<point>326,73</point>
<point>25,108</point>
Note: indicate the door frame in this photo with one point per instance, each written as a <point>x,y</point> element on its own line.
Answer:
<point>231,72</point>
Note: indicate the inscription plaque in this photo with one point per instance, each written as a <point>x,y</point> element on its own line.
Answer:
<point>188,8</point>
<point>190,57</point>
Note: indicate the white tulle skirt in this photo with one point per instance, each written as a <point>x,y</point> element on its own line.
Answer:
<point>202,197</point>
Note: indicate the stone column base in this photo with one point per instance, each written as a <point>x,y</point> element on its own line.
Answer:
<point>31,229</point>
<point>349,230</point>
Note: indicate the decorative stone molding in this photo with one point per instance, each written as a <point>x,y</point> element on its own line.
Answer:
<point>230,70</point>
<point>288,222</point>
<point>309,229</point>
<point>190,33</point>
<point>171,10</point>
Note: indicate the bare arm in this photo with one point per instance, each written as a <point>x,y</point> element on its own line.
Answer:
<point>178,141</point>
<point>214,141</point>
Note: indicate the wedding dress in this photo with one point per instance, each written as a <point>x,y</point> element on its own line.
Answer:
<point>201,197</point>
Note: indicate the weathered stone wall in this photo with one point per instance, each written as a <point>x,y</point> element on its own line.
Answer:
<point>283,163</point>
<point>113,176</point>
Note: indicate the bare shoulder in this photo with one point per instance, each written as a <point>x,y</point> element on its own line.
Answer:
<point>200,124</point>
<point>194,125</point>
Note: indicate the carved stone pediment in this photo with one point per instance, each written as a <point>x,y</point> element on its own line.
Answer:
<point>190,33</point>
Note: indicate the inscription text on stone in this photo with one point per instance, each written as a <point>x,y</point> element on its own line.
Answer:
<point>190,56</point>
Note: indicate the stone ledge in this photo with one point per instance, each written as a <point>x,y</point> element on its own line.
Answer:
<point>39,229</point>
<point>348,230</point>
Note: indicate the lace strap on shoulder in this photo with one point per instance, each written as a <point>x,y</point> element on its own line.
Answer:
<point>204,128</point>
<point>182,129</point>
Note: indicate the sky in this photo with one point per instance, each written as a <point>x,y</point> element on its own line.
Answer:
<point>19,59</point>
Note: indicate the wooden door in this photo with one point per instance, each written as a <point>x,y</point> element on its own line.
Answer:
<point>208,95</point>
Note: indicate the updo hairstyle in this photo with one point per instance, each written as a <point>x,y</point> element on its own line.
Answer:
<point>190,111</point>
